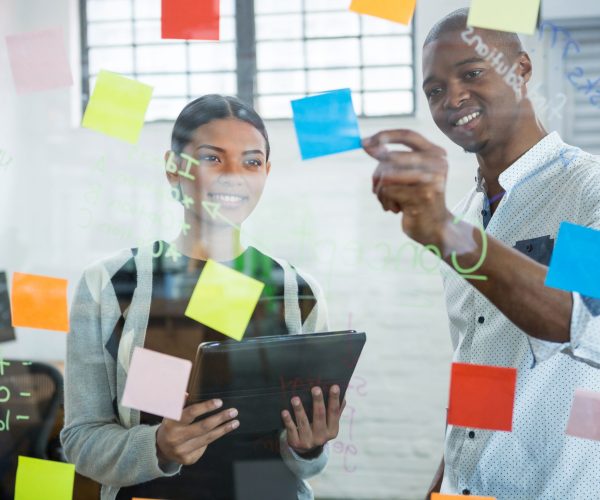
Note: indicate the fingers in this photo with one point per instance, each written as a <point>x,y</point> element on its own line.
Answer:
<point>319,421</point>
<point>375,145</point>
<point>207,425</point>
<point>211,436</point>
<point>302,423</point>
<point>192,412</point>
<point>292,431</point>
<point>333,410</point>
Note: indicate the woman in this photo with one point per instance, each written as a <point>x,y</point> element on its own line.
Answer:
<point>217,166</point>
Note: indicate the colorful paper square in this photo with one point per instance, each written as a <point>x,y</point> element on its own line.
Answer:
<point>117,106</point>
<point>224,299</point>
<point>39,60</point>
<point>574,263</point>
<point>399,11</point>
<point>39,302</point>
<point>482,397</point>
<point>326,124</point>
<point>515,16</point>
<point>156,383</point>
<point>584,420</point>
<point>37,479</point>
<point>190,19</point>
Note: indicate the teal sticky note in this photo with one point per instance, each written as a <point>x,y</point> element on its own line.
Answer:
<point>575,263</point>
<point>326,124</point>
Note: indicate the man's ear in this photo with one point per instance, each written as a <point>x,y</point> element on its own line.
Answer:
<point>525,66</point>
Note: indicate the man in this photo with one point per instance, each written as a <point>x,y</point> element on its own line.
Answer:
<point>528,182</point>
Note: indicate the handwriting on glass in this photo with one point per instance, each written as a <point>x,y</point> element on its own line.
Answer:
<point>5,397</point>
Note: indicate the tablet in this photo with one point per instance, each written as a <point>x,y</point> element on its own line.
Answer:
<point>259,376</point>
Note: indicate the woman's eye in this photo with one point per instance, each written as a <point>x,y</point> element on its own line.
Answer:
<point>473,74</point>
<point>210,158</point>
<point>254,163</point>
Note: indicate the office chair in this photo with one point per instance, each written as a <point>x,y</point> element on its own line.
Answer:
<point>30,395</point>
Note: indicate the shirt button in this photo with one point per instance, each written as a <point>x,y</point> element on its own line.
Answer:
<point>529,248</point>
<point>466,492</point>
<point>481,319</point>
<point>484,212</point>
<point>471,434</point>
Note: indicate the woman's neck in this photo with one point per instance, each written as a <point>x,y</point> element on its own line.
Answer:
<point>205,240</point>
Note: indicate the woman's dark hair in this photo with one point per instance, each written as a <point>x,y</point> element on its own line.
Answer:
<point>213,107</point>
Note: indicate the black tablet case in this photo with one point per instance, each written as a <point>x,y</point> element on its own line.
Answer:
<point>259,376</point>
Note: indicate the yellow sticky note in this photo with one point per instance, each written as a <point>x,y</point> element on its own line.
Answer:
<point>224,299</point>
<point>117,106</point>
<point>45,479</point>
<point>518,16</point>
<point>399,11</point>
<point>439,496</point>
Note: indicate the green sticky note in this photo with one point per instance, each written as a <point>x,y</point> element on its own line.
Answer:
<point>45,479</point>
<point>518,16</point>
<point>117,106</point>
<point>224,299</point>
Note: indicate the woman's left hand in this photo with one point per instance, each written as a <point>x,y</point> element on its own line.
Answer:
<point>305,437</point>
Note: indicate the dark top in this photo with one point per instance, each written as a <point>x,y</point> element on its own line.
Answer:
<point>236,464</point>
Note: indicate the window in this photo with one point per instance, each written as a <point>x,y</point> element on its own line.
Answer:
<point>302,47</point>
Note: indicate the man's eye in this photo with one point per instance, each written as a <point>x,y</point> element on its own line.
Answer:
<point>473,74</point>
<point>434,92</point>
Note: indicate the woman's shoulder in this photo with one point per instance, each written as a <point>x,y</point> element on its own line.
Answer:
<point>122,261</point>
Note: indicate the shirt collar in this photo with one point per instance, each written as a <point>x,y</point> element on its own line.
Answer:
<point>537,158</point>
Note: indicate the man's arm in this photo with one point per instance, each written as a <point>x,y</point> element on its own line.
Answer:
<point>436,484</point>
<point>414,183</point>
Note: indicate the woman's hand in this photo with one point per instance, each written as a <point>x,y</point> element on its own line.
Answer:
<point>184,442</point>
<point>305,437</point>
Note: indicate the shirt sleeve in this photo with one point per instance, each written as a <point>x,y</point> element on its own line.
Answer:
<point>93,439</point>
<point>302,467</point>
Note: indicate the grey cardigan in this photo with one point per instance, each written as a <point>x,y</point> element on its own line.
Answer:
<point>105,440</point>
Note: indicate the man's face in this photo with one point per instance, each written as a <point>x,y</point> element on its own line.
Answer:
<point>469,100</point>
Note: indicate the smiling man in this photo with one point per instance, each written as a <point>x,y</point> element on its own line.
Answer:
<point>528,182</point>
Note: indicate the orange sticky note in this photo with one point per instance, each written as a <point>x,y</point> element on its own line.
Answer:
<point>399,11</point>
<point>482,397</point>
<point>440,496</point>
<point>39,302</point>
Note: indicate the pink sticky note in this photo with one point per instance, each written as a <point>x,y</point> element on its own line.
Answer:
<point>156,383</point>
<point>584,421</point>
<point>39,60</point>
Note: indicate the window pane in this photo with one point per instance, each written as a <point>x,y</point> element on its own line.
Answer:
<point>161,58</point>
<point>278,27</point>
<point>166,85</point>
<point>315,5</point>
<point>118,33</point>
<point>165,109</point>
<point>227,29</point>
<point>227,8</point>
<point>387,78</point>
<point>387,50</point>
<point>377,26</point>
<point>275,55</point>
<point>101,10</point>
<point>144,9</point>
<point>208,56</point>
<point>323,80</point>
<point>276,106</point>
<point>388,103</point>
<point>271,82</point>
<point>332,53</point>
<point>213,83</point>
<point>330,25</point>
<point>119,60</point>
<point>272,6</point>
<point>148,32</point>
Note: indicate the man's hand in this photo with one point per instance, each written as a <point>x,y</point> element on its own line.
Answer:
<point>412,182</point>
<point>305,437</point>
<point>184,442</point>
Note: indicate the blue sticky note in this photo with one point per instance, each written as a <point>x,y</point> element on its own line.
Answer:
<point>575,263</point>
<point>326,124</point>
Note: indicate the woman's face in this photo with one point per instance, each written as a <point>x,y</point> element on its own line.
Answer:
<point>222,171</point>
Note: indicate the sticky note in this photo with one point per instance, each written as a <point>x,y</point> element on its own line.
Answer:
<point>224,299</point>
<point>482,397</point>
<point>518,16</point>
<point>156,383</point>
<point>39,302</point>
<point>117,106</point>
<point>584,420</point>
<point>326,124</point>
<point>574,263</point>
<point>44,479</point>
<point>441,496</point>
<point>190,19</point>
<point>400,11</point>
<point>39,60</point>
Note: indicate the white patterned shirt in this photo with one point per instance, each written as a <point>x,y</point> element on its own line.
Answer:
<point>551,183</point>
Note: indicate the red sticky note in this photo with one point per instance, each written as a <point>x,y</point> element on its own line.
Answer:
<point>190,19</point>
<point>39,302</point>
<point>39,60</point>
<point>482,397</point>
<point>584,421</point>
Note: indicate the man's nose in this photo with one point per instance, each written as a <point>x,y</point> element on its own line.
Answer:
<point>456,95</point>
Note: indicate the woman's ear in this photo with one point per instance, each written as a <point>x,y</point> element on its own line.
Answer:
<point>268,167</point>
<point>172,164</point>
